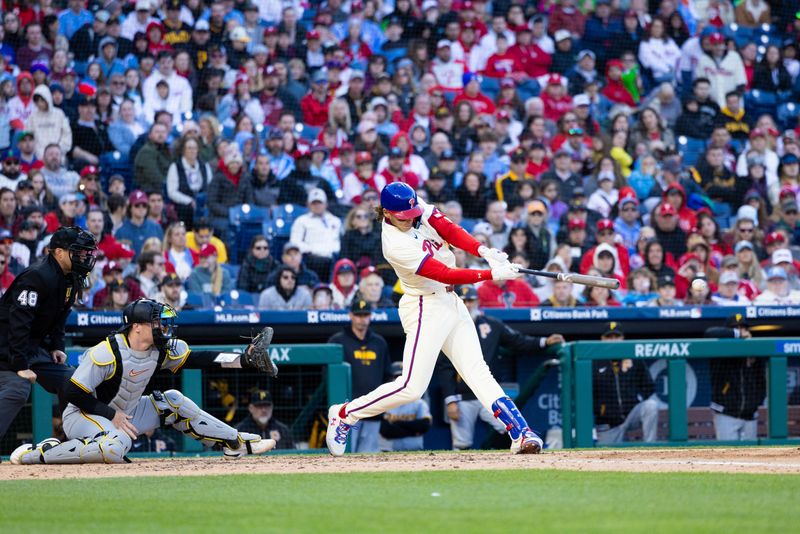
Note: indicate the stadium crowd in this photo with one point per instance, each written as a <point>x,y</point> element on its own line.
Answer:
<point>233,152</point>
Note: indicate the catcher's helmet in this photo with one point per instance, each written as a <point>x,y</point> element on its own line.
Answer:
<point>162,318</point>
<point>400,200</point>
<point>81,246</point>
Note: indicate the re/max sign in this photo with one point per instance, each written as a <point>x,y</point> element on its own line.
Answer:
<point>660,350</point>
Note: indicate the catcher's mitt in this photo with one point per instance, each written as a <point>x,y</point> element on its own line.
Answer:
<point>257,353</point>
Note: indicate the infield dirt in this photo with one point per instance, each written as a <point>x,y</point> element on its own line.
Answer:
<point>775,460</point>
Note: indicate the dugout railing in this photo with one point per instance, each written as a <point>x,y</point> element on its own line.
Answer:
<point>335,386</point>
<point>577,399</point>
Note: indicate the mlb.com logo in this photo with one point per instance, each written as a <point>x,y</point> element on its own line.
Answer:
<point>536,314</point>
<point>751,312</point>
<point>313,317</point>
<point>83,319</point>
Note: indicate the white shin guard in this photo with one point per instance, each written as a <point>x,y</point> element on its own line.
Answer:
<point>186,417</point>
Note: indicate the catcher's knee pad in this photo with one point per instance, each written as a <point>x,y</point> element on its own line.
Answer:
<point>185,416</point>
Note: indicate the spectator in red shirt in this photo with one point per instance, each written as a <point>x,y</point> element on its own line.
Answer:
<point>502,63</point>
<point>506,294</point>
<point>316,103</point>
<point>394,171</point>
<point>606,234</point>
<point>472,94</point>
<point>531,59</point>
<point>555,98</point>
<point>615,90</point>
<point>566,16</point>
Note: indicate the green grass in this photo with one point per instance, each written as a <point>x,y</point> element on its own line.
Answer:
<point>468,501</point>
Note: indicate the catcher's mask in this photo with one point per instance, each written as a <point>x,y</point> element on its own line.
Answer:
<point>81,246</point>
<point>162,319</point>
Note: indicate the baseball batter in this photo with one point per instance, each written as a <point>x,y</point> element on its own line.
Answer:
<point>107,409</point>
<point>416,242</point>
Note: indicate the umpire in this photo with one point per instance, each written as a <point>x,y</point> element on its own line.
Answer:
<point>463,408</point>
<point>33,312</point>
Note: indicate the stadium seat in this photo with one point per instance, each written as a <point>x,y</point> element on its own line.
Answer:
<point>469,224</point>
<point>236,299</point>
<point>691,149</point>
<point>199,300</point>
<point>760,102</point>
<point>245,213</point>
<point>788,114</point>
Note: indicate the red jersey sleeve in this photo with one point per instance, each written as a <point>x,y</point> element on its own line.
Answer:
<point>436,270</point>
<point>453,233</point>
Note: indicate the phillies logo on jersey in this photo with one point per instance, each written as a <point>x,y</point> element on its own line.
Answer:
<point>429,246</point>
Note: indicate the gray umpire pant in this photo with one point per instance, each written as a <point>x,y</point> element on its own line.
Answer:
<point>645,414</point>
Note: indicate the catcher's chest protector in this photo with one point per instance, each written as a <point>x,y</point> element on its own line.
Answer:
<point>132,374</point>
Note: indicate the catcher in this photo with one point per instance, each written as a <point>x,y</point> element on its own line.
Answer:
<point>107,409</point>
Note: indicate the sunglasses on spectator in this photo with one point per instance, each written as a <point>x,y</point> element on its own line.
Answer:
<point>288,277</point>
<point>140,205</point>
<point>746,230</point>
<point>260,247</point>
<point>6,241</point>
<point>91,178</point>
<point>361,216</point>
<point>629,209</point>
<point>118,83</point>
<point>791,212</point>
<point>605,232</point>
<point>12,161</point>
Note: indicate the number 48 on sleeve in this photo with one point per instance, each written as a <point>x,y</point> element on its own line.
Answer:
<point>28,298</point>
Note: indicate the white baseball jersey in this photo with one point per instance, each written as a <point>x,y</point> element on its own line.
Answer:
<point>406,252</point>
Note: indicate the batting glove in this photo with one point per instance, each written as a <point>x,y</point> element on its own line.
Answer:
<point>494,257</point>
<point>506,271</point>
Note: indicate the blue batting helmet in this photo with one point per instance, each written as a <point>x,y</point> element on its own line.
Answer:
<point>400,200</point>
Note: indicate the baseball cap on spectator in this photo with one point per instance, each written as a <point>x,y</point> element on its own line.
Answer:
<point>518,156</point>
<point>789,159</point>
<point>320,76</point>
<point>672,166</point>
<point>90,169</point>
<point>170,279</point>
<point>776,273</point>
<point>107,40</point>
<point>729,277</point>
<point>729,261</point>
<point>137,197</point>
<point>666,280</point>
<point>363,157</point>
<point>208,250</point>
<point>747,212</point>
<point>317,195</point>
<point>429,4</point>
<point>605,224</point>
<point>260,49</point>
<point>774,237</point>
<point>346,147</point>
<point>312,35</point>
<point>581,100</point>
<point>290,246</point>
<point>507,82</point>
<point>395,152</point>
<point>377,101</point>
<point>301,151</point>
<point>467,77</point>
<point>275,134</point>
<point>239,34</point>
<point>117,284</point>
<point>503,115</point>
<point>360,306</point>
<point>202,26</point>
<point>757,132</point>
<point>68,197</point>
<point>102,15</point>
<point>584,53</point>
<point>447,154</point>
<point>667,210</point>
<point>367,271</point>
<point>405,63</point>
<point>10,153</point>
<point>143,5</point>
<point>443,112</point>
<point>24,185</point>
<point>782,255</point>
<point>562,35</point>
<point>628,199</point>
<point>575,224</point>
<point>786,192</point>
<point>554,79</point>
<point>443,43</point>
<point>111,267</point>
<point>716,38</point>
<point>789,205</point>
<point>28,225</point>
<point>741,245</point>
<point>537,206</point>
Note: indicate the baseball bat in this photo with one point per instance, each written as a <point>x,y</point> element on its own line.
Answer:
<point>583,279</point>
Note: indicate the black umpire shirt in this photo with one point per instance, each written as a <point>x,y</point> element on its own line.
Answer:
<point>32,314</point>
<point>492,333</point>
